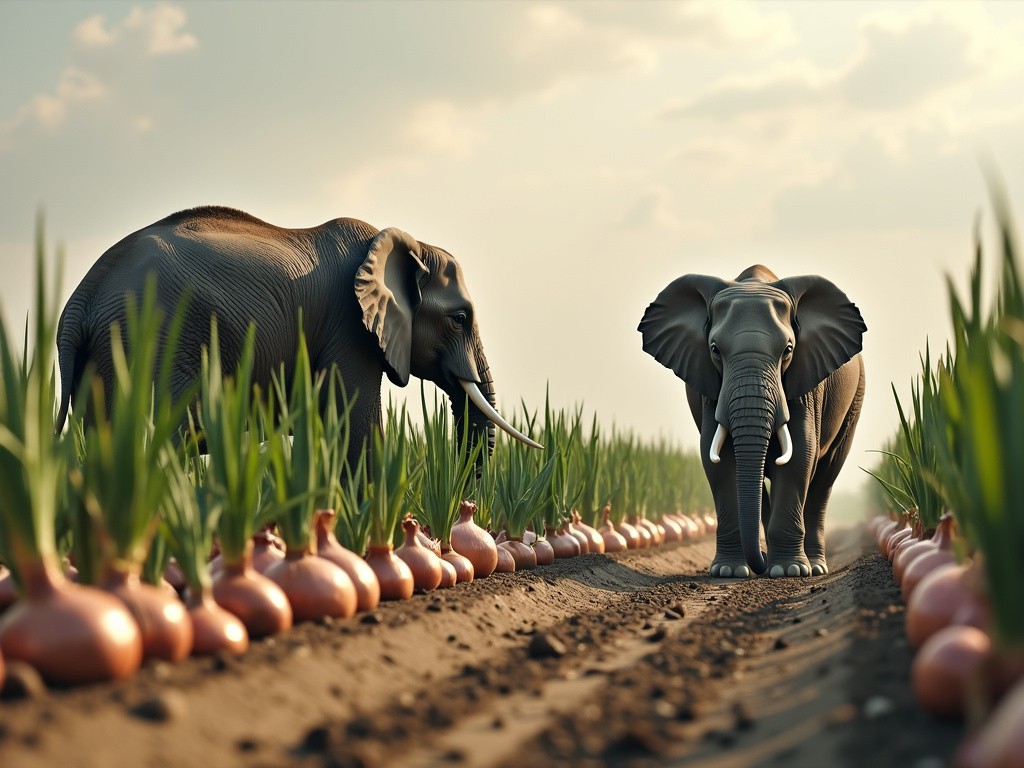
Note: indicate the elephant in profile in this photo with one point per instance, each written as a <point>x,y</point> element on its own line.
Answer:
<point>764,357</point>
<point>372,302</point>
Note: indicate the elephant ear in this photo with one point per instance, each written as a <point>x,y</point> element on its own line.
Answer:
<point>829,330</point>
<point>675,331</point>
<point>388,287</point>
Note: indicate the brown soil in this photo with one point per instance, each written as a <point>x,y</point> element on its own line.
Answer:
<point>634,659</point>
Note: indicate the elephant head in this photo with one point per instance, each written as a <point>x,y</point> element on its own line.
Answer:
<point>414,301</point>
<point>750,346</point>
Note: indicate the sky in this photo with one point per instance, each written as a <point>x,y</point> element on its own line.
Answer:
<point>575,157</point>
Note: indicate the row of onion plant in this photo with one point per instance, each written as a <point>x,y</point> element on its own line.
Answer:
<point>955,466</point>
<point>130,537</point>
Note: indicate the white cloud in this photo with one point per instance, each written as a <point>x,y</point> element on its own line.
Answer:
<point>49,110</point>
<point>441,127</point>
<point>93,33</point>
<point>163,28</point>
<point>100,52</point>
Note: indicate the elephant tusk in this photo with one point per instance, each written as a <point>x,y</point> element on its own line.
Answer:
<point>488,410</point>
<point>787,446</point>
<point>716,444</point>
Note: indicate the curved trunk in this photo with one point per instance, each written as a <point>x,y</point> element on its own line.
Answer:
<point>752,418</point>
<point>479,425</point>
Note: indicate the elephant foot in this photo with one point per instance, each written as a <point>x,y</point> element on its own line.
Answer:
<point>778,570</point>
<point>818,566</point>
<point>730,569</point>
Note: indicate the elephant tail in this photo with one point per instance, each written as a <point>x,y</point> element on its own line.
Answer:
<point>71,336</point>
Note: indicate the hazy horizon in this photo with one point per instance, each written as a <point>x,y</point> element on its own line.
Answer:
<point>574,157</point>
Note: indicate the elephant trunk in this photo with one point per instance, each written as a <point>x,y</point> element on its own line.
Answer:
<point>463,405</point>
<point>752,421</point>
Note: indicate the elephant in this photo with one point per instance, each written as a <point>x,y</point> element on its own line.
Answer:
<point>371,301</point>
<point>762,357</point>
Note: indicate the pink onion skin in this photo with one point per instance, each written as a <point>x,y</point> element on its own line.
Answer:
<point>544,551</point>
<point>1000,740</point>
<point>921,566</point>
<point>267,550</point>
<point>673,531</point>
<point>564,544</point>
<point>613,540</point>
<point>895,540</point>
<point>569,529</point>
<point>646,538</point>
<point>905,553</point>
<point>506,562</point>
<point>523,554</point>
<point>362,575</point>
<point>935,601</point>
<point>393,575</point>
<point>163,621</point>
<point>595,542</point>
<point>631,535</point>
<point>215,629</point>
<point>875,524</point>
<point>424,564</point>
<point>642,523</point>
<point>463,565</point>
<point>943,667</point>
<point>258,602</point>
<point>473,542</point>
<point>70,634</point>
<point>316,588</point>
<point>449,578</point>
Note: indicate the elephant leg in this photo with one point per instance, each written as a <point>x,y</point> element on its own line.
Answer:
<point>845,411</point>
<point>789,483</point>
<point>818,495</point>
<point>729,560</point>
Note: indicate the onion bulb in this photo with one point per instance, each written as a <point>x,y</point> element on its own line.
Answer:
<point>424,564</point>
<point>362,575</point>
<point>393,575</point>
<point>944,666</point>
<point>473,542</point>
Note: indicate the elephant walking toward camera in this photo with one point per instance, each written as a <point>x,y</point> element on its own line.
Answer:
<point>372,302</point>
<point>764,357</point>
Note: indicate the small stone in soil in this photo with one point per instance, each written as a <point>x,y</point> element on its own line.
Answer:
<point>781,643</point>
<point>877,706</point>
<point>247,744</point>
<point>545,646</point>
<point>657,635</point>
<point>744,720</point>
<point>165,706</point>
<point>317,739</point>
<point>371,618</point>
<point>22,682</point>
<point>821,631</point>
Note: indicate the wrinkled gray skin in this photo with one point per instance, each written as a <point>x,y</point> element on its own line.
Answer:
<point>757,353</point>
<point>374,302</point>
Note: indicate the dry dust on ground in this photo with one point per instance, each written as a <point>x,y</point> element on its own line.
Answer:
<point>636,659</point>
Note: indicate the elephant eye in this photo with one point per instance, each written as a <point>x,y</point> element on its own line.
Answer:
<point>459,318</point>
<point>715,350</point>
<point>789,350</point>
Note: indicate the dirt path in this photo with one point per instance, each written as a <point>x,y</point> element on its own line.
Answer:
<point>634,659</point>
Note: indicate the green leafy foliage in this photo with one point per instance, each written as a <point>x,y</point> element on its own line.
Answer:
<point>33,461</point>
<point>121,483</point>
<point>447,468</point>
